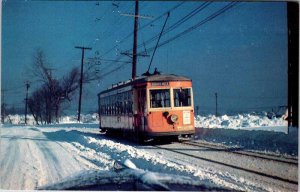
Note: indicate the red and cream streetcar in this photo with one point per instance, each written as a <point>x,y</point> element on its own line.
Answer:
<point>148,107</point>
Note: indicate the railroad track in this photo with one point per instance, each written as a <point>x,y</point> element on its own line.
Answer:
<point>232,165</point>
<point>243,152</point>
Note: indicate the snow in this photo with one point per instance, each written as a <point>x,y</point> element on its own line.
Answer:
<point>262,140</point>
<point>252,121</point>
<point>247,121</point>
<point>71,119</point>
<point>129,164</point>
<point>88,118</point>
<point>33,156</point>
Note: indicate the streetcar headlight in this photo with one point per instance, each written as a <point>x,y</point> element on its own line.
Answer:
<point>174,118</point>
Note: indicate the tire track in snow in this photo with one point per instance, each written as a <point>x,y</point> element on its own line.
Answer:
<point>7,164</point>
<point>50,163</point>
<point>35,174</point>
<point>29,159</point>
<point>56,163</point>
<point>78,155</point>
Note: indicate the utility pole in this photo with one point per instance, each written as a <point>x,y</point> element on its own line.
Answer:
<point>3,110</point>
<point>135,32</point>
<point>26,100</point>
<point>216,95</point>
<point>81,79</point>
<point>197,110</point>
<point>134,50</point>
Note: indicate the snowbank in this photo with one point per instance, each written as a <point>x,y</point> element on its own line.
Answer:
<point>257,140</point>
<point>89,118</point>
<point>211,121</point>
<point>240,121</point>
<point>254,131</point>
<point>20,119</point>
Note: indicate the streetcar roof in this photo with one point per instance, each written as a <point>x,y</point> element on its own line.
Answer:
<point>162,77</point>
<point>150,78</point>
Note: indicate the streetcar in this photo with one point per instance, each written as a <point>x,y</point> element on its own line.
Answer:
<point>157,105</point>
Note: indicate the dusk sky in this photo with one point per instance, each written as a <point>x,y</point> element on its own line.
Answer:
<point>240,54</point>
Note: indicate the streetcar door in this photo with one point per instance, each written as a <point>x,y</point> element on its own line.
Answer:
<point>140,109</point>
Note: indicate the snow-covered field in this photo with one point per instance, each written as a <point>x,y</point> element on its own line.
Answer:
<point>33,156</point>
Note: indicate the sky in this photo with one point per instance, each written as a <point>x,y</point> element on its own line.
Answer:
<point>240,54</point>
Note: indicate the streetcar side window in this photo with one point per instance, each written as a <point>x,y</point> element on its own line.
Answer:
<point>103,105</point>
<point>182,97</point>
<point>118,104</point>
<point>160,98</point>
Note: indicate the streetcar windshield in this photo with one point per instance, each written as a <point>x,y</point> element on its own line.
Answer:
<point>182,97</point>
<point>160,98</point>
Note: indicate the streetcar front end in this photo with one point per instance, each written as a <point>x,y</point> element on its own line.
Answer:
<point>170,109</point>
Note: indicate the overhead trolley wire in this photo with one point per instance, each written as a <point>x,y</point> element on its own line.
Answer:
<point>207,19</point>
<point>143,26</point>
<point>113,70</point>
<point>118,22</point>
<point>179,22</point>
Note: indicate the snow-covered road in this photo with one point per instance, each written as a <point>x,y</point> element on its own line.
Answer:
<point>34,156</point>
<point>29,159</point>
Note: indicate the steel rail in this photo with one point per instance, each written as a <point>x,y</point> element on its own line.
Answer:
<point>229,165</point>
<point>244,153</point>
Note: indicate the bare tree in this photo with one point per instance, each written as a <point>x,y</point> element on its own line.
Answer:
<point>35,105</point>
<point>3,112</point>
<point>45,102</point>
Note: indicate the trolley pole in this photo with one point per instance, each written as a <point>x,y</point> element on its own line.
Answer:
<point>134,50</point>
<point>81,79</point>
<point>26,100</point>
<point>216,95</point>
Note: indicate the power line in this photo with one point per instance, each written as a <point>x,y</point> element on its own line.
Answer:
<point>135,31</point>
<point>12,89</point>
<point>207,19</point>
<point>180,21</point>
<point>140,28</point>
<point>117,23</point>
<point>144,26</point>
<point>113,70</point>
<point>114,62</point>
<point>177,24</point>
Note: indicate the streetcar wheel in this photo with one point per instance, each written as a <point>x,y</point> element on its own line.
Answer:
<point>185,137</point>
<point>102,130</point>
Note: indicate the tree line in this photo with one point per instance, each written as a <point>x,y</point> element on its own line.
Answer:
<point>45,102</point>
